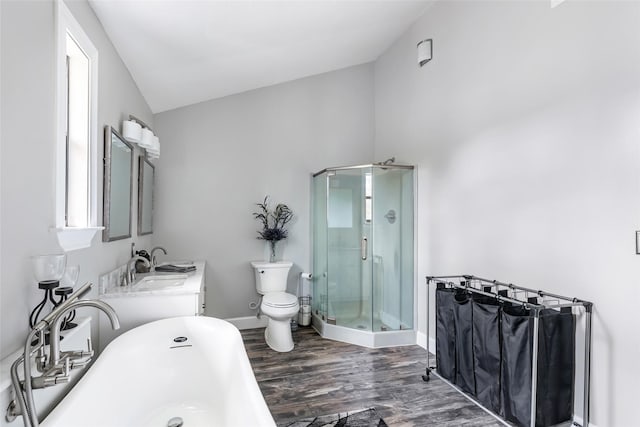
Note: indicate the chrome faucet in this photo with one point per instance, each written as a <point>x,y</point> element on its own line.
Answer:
<point>130,274</point>
<point>54,331</point>
<point>153,257</point>
<point>55,367</point>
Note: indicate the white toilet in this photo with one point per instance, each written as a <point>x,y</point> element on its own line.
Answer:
<point>277,305</point>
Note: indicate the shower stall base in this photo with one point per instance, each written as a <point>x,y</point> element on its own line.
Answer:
<point>362,337</point>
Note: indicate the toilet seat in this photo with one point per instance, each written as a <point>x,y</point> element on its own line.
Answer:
<point>279,300</point>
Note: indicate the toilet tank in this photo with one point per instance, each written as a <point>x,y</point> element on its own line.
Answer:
<point>271,276</point>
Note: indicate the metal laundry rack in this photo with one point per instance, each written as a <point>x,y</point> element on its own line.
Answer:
<point>536,301</point>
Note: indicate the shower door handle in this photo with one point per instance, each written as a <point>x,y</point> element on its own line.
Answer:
<point>363,248</point>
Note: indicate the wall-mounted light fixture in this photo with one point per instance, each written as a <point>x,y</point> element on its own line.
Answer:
<point>425,51</point>
<point>137,132</point>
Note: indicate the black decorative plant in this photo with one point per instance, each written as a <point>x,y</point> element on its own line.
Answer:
<point>273,223</point>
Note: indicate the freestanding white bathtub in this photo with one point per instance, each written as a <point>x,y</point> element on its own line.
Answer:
<point>193,370</point>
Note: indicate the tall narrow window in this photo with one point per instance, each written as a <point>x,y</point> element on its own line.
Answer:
<point>368,192</point>
<point>78,138</point>
<point>77,133</point>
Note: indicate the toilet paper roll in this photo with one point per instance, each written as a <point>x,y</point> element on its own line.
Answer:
<point>307,276</point>
<point>305,308</point>
<point>304,319</point>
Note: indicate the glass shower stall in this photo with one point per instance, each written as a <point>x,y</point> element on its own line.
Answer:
<point>363,254</point>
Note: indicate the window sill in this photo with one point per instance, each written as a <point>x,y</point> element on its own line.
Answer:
<point>72,238</point>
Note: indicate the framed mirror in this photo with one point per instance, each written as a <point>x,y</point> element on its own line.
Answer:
<point>146,172</point>
<point>118,186</point>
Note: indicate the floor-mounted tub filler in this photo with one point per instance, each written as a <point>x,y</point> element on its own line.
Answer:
<point>191,371</point>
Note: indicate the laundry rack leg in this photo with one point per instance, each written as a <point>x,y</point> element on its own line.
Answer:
<point>534,367</point>
<point>427,372</point>
<point>587,364</point>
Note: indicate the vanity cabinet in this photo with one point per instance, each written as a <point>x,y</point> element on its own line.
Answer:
<point>137,307</point>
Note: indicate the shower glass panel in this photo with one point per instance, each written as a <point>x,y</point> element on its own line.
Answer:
<point>363,247</point>
<point>349,253</point>
<point>392,249</point>
<point>319,301</point>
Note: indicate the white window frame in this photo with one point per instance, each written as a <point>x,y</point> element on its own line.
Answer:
<point>72,238</point>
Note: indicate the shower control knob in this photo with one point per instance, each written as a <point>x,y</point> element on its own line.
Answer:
<point>391,216</point>
<point>175,422</point>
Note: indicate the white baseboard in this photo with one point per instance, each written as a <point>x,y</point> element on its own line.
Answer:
<point>422,342</point>
<point>579,420</point>
<point>248,322</point>
<point>421,339</point>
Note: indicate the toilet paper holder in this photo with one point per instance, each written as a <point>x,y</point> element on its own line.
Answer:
<point>304,314</point>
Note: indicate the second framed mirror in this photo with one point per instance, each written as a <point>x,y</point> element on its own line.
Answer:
<point>146,177</point>
<point>118,184</point>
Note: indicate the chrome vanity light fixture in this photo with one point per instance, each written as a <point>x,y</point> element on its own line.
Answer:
<point>425,51</point>
<point>132,131</point>
<point>138,132</point>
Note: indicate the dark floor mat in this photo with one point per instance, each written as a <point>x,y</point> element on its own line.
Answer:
<point>360,418</point>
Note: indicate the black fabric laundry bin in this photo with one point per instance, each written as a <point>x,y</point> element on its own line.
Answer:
<point>556,365</point>
<point>463,319</point>
<point>445,333</point>
<point>487,351</point>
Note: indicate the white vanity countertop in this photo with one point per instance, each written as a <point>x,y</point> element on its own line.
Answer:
<point>192,285</point>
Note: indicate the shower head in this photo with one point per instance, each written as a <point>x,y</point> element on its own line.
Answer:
<point>387,162</point>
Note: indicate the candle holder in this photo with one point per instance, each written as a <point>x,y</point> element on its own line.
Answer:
<point>69,280</point>
<point>47,270</point>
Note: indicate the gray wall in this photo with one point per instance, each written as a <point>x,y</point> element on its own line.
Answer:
<point>28,159</point>
<point>221,157</point>
<point>524,127</point>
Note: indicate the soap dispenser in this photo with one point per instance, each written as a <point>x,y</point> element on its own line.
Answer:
<point>140,267</point>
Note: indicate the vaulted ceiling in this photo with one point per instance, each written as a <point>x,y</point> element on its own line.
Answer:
<point>181,52</point>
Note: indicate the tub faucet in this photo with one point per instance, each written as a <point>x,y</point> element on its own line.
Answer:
<point>54,331</point>
<point>130,274</point>
<point>59,365</point>
<point>153,257</point>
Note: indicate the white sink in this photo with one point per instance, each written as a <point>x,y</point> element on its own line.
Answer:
<point>157,282</point>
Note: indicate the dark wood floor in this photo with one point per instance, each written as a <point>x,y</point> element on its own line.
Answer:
<point>322,377</point>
